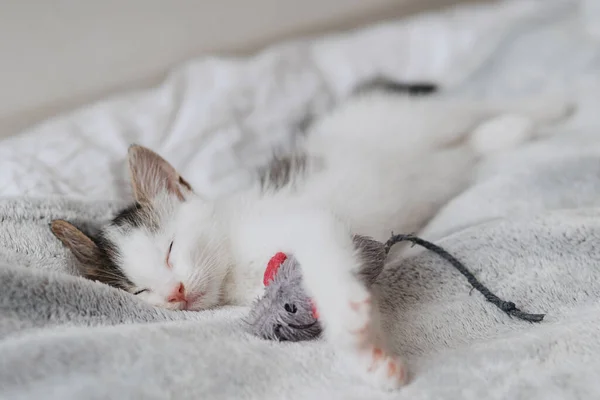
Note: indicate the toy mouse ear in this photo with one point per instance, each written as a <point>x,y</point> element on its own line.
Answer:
<point>313,309</point>
<point>272,267</point>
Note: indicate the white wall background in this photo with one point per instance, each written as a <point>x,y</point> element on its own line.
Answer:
<point>57,54</point>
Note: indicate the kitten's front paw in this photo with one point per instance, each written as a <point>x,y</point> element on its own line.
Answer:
<point>350,317</point>
<point>349,325</point>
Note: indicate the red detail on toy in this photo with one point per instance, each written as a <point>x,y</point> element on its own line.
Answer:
<point>315,312</point>
<point>272,267</point>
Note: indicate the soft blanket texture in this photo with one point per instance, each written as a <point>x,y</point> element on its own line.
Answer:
<point>216,117</point>
<point>528,227</point>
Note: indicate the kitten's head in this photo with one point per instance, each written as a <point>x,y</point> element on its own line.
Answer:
<point>167,248</point>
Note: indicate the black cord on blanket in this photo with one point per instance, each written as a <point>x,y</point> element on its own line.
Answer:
<point>507,306</point>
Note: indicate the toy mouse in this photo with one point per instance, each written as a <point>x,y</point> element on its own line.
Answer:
<point>286,313</point>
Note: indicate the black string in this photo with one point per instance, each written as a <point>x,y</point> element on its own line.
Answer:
<point>507,306</point>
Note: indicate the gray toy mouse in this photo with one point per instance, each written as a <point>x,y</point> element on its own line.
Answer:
<point>285,312</point>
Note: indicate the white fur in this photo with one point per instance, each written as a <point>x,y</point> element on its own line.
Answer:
<point>389,163</point>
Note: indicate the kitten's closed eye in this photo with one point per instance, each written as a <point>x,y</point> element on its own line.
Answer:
<point>168,261</point>
<point>169,255</point>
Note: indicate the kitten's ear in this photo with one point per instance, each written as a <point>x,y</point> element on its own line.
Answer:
<point>82,247</point>
<point>151,175</point>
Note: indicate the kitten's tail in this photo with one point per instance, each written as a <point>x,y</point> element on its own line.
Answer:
<point>382,84</point>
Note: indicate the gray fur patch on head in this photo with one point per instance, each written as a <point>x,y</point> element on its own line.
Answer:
<point>145,216</point>
<point>284,313</point>
<point>106,269</point>
<point>96,247</point>
<point>94,254</point>
<point>137,215</point>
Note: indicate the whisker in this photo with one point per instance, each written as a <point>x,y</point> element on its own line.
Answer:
<point>105,274</point>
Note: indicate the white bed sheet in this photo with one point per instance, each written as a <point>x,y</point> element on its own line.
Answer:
<point>214,117</point>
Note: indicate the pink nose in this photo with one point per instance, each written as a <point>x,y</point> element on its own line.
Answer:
<point>177,294</point>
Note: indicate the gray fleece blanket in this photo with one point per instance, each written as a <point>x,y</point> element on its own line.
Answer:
<point>64,337</point>
<point>528,227</point>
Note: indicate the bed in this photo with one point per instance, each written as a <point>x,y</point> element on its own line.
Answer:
<point>527,226</point>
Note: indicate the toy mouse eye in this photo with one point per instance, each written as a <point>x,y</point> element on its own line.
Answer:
<point>169,255</point>
<point>291,308</point>
<point>140,291</point>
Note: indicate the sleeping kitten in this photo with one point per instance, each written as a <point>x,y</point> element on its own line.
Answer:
<point>380,162</point>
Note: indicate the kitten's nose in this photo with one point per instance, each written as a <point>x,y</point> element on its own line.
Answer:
<point>177,294</point>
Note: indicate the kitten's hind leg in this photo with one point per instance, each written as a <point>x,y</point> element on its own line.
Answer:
<point>541,110</point>
<point>514,123</point>
<point>501,133</point>
<point>546,109</point>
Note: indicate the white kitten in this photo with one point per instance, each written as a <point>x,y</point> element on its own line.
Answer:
<point>380,163</point>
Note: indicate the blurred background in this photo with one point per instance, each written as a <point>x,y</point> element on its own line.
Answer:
<point>57,55</point>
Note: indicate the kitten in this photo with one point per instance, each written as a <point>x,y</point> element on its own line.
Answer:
<point>379,163</point>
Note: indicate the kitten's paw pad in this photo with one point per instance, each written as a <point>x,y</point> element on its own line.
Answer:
<point>361,307</point>
<point>349,323</point>
<point>385,371</point>
<point>358,319</point>
<point>357,305</point>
